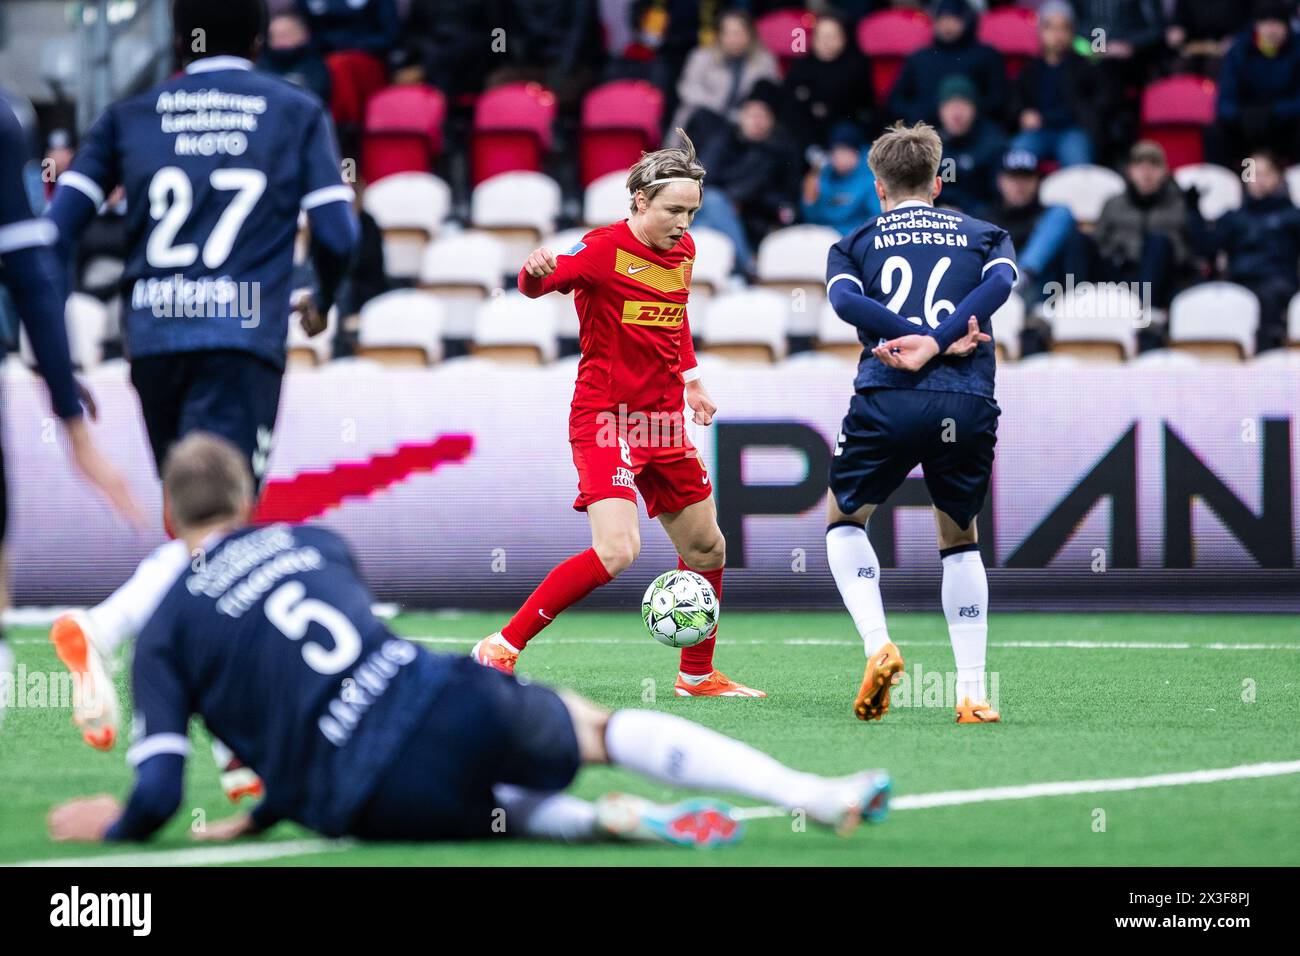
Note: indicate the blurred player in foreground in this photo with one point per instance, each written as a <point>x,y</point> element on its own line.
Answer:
<point>30,271</point>
<point>218,162</point>
<point>630,282</point>
<point>270,639</point>
<point>924,395</point>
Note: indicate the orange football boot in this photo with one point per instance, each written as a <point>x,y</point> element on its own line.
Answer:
<point>977,713</point>
<point>884,669</point>
<point>94,698</point>
<point>716,684</point>
<point>496,654</point>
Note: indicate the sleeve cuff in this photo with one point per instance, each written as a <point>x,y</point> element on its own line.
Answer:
<point>691,375</point>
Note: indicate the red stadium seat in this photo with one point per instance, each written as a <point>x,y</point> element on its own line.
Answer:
<point>888,37</point>
<point>1013,32</point>
<point>619,120</point>
<point>354,78</point>
<point>403,131</point>
<point>512,129</point>
<point>778,32</point>
<point>1175,112</point>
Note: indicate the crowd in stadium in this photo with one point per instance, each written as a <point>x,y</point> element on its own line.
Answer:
<point>783,101</point>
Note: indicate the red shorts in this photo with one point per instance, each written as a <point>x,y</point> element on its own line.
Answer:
<point>668,477</point>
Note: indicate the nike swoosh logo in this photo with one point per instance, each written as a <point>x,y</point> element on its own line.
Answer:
<point>633,270</point>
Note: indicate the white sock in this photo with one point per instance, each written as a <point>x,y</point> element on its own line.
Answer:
<point>551,816</point>
<point>856,570</point>
<point>965,605</point>
<point>695,680</point>
<point>124,612</point>
<point>676,751</point>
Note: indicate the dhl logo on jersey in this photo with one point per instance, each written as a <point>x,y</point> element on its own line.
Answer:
<point>652,275</point>
<point>667,315</point>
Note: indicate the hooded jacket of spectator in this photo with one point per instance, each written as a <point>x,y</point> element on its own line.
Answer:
<point>822,92</point>
<point>1252,81</point>
<point>971,157</point>
<point>916,93</point>
<point>1261,238</point>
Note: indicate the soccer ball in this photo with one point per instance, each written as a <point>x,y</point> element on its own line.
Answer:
<point>680,609</point>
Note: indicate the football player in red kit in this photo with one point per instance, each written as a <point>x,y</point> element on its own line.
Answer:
<point>630,282</point>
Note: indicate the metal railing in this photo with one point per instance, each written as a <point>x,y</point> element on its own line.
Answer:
<point>124,46</point>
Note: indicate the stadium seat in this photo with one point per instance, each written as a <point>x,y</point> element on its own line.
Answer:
<point>409,209</point>
<point>518,208</point>
<point>566,325</point>
<point>86,319</point>
<point>715,257</point>
<point>354,78</point>
<point>1215,320</point>
<point>1278,358</point>
<point>888,37</point>
<point>1165,358</point>
<point>403,327</point>
<point>619,120</point>
<point>512,130</point>
<point>1095,322</point>
<point>1082,189</point>
<point>307,351</point>
<point>403,131</point>
<point>1293,322</point>
<point>1013,32</point>
<point>605,200</point>
<point>1293,183</point>
<point>786,33</point>
<point>514,328</point>
<point>1008,321</point>
<point>1220,188</point>
<point>463,269</point>
<point>1175,112</point>
<point>1049,360</point>
<point>747,326</point>
<point>835,336</point>
<point>793,260</point>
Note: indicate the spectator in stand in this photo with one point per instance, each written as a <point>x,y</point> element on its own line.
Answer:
<point>1200,33</point>
<point>443,44</point>
<point>1142,234</point>
<point>955,51</point>
<point>753,187</point>
<point>1259,90</point>
<point>717,79</point>
<point>367,26</point>
<point>832,83</point>
<point>842,193</point>
<point>1057,94</point>
<point>972,148</point>
<point>553,42</point>
<point>1258,245</point>
<point>291,55</point>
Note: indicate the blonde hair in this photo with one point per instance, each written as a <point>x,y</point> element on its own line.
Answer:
<point>906,159</point>
<point>672,162</point>
<point>206,480</point>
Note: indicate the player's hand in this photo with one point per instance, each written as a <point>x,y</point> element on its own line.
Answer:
<point>967,344</point>
<point>231,828</point>
<point>84,820</point>
<point>309,316</point>
<point>699,402</point>
<point>909,352</point>
<point>97,470</point>
<point>540,262</point>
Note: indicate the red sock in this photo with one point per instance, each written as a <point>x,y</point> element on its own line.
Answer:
<point>698,660</point>
<point>569,582</point>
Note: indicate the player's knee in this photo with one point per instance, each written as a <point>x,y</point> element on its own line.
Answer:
<point>708,554</point>
<point>617,552</point>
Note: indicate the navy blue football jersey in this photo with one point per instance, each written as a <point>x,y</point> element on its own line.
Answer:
<point>217,164</point>
<point>920,262</point>
<point>270,639</point>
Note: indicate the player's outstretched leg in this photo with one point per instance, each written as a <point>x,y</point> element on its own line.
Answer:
<point>701,548</point>
<point>87,641</point>
<point>856,570</point>
<point>965,595</point>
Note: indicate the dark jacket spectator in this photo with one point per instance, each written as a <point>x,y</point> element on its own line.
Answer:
<point>291,55</point>
<point>367,25</point>
<point>1259,88</point>
<point>972,148</point>
<point>831,84</point>
<point>955,51</point>
<point>1132,29</point>
<point>365,280</point>
<point>447,40</point>
<point>1200,33</point>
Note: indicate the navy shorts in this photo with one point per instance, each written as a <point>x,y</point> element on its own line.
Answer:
<point>232,394</point>
<point>485,728</point>
<point>889,431</point>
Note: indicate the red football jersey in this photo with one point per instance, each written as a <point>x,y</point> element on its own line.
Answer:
<point>633,329</point>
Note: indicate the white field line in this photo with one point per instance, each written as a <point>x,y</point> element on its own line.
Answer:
<point>1064,788</point>
<point>200,856</point>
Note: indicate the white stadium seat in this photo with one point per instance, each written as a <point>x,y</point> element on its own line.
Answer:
<point>303,350</point>
<point>606,199</point>
<point>1008,321</point>
<point>793,260</point>
<point>1083,189</point>
<point>514,328</point>
<point>748,326</point>
<point>1096,322</point>
<point>1293,322</point>
<point>1293,182</point>
<point>463,269</point>
<point>715,257</point>
<point>1278,358</point>
<point>1220,188</point>
<point>1166,358</point>
<point>561,242</point>
<point>518,208</point>
<point>403,327</point>
<point>1216,320</point>
<point>87,320</point>
<point>409,209</point>
<point>835,336</point>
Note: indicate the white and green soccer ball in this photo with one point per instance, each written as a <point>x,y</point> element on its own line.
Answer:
<point>680,609</point>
